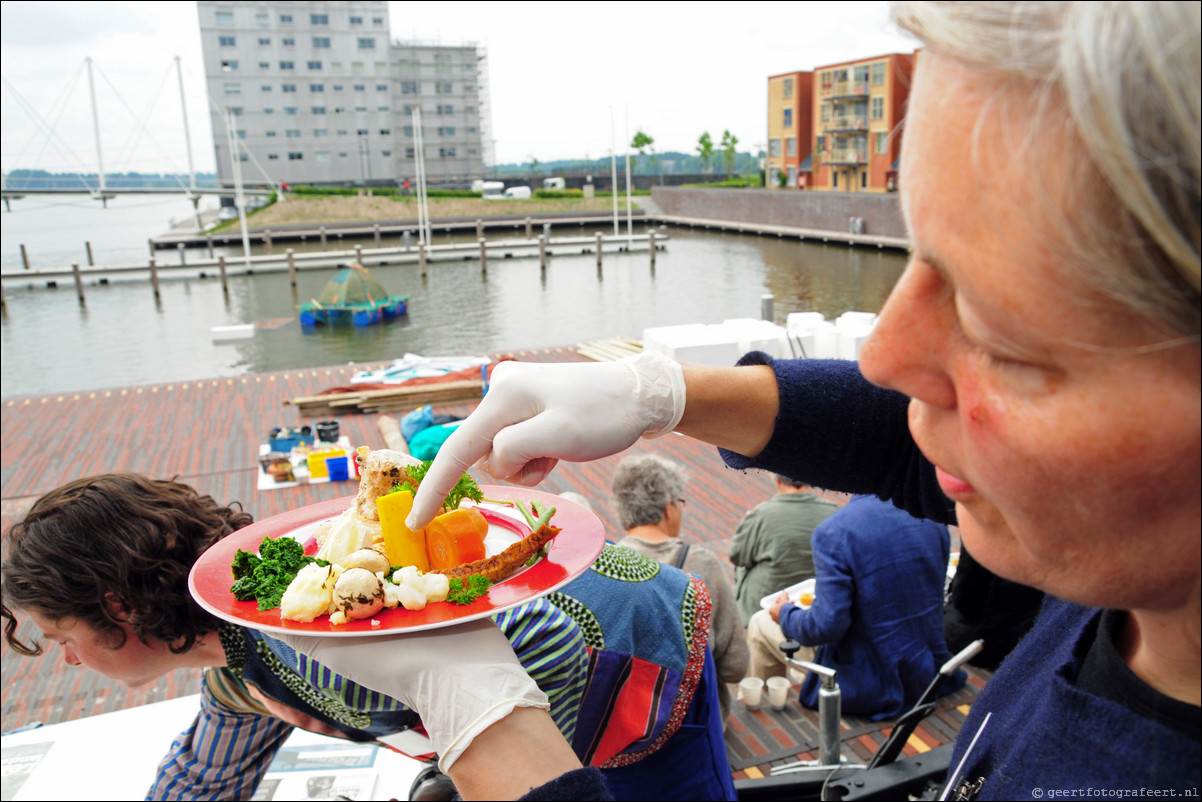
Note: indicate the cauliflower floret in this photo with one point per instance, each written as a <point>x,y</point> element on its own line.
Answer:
<point>309,593</point>
<point>437,587</point>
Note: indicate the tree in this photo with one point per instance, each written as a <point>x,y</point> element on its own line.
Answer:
<point>705,148</point>
<point>533,166</point>
<point>643,142</point>
<point>729,141</point>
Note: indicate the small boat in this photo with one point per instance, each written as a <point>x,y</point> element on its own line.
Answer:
<point>352,296</point>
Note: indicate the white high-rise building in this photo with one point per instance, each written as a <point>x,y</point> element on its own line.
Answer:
<point>320,94</point>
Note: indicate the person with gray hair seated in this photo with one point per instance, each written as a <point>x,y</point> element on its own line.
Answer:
<point>648,497</point>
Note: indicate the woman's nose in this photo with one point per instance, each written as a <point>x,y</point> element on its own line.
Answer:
<point>908,348</point>
<point>70,657</point>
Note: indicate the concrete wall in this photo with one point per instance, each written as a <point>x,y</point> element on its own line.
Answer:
<point>822,211</point>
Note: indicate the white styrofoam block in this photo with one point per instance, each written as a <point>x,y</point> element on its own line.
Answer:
<point>826,342</point>
<point>723,354</point>
<point>850,341</point>
<point>853,320</point>
<point>802,322</point>
<point>233,332</point>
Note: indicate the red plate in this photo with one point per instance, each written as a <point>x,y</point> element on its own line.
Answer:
<point>571,552</point>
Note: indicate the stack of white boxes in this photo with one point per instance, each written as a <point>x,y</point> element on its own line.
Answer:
<point>806,334</point>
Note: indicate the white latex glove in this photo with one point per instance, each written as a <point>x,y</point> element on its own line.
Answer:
<point>537,414</point>
<point>460,679</point>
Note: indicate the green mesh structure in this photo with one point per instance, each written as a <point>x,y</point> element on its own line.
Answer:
<point>352,285</point>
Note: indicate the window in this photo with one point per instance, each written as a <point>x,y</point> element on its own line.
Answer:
<point>381,87</point>
<point>788,122</point>
<point>878,73</point>
<point>317,87</point>
<point>878,108</point>
<point>270,133</point>
<point>381,66</point>
<point>357,66</point>
<point>261,19</point>
<point>820,144</point>
<point>225,18</point>
<point>360,87</point>
<point>377,20</point>
<point>407,65</point>
<point>861,74</point>
<point>295,157</point>
<point>288,87</point>
<point>340,109</point>
<point>292,134</point>
<point>319,19</point>
<point>286,18</point>
<point>264,41</point>
<point>337,87</point>
<point>361,109</point>
<point>341,132</point>
<point>241,133</point>
<point>233,89</point>
<point>342,154</point>
<point>319,109</point>
<point>229,65</point>
<point>265,88</point>
<point>408,87</point>
<point>773,147</point>
<point>882,142</point>
<point>264,65</point>
<point>442,88</point>
<point>442,62</point>
<point>321,41</point>
<point>826,112</point>
<point>386,153</point>
<point>385,132</point>
<point>290,110</point>
<point>287,65</point>
<point>226,41</point>
<point>446,109</point>
<point>272,157</point>
<point>446,153</point>
<point>367,43</point>
<point>236,111</point>
<point>321,132</point>
<point>791,146</point>
<point>446,130</point>
<point>410,153</point>
<point>362,132</point>
<point>288,42</point>
<point>242,156</point>
<point>788,94</point>
<point>356,20</point>
<point>314,65</point>
<point>322,156</point>
<point>382,108</point>
<point>864,180</point>
<point>408,131</point>
<point>269,111</point>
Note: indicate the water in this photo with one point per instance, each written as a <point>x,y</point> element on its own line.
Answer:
<point>124,337</point>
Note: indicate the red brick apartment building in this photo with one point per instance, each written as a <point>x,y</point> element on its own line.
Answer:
<point>849,139</point>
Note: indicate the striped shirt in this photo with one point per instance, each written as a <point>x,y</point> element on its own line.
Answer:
<point>230,745</point>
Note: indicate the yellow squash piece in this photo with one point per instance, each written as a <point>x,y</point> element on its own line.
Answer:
<point>402,545</point>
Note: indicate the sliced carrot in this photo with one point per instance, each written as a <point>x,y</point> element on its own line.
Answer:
<point>402,545</point>
<point>456,537</point>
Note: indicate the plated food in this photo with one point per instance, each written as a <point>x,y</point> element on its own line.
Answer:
<point>368,592</point>
<point>801,594</point>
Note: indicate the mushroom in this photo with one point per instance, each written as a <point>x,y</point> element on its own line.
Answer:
<point>358,593</point>
<point>369,559</point>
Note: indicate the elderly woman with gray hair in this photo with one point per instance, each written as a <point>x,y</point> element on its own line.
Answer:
<point>648,497</point>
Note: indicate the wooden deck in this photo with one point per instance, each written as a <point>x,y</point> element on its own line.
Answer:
<point>207,433</point>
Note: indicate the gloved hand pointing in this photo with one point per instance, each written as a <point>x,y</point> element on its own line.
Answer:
<point>537,414</point>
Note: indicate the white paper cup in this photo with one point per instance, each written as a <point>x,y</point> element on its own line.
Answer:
<point>752,691</point>
<point>778,692</point>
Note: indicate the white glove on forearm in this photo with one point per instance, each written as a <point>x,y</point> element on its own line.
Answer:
<point>460,680</point>
<point>537,414</point>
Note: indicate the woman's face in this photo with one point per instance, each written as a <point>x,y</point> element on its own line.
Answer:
<point>1070,448</point>
<point>133,663</point>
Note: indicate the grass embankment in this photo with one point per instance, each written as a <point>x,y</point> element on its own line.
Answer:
<point>342,209</point>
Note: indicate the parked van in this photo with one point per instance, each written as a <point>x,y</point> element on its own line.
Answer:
<point>554,183</point>
<point>489,189</point>
<point>517,193</point>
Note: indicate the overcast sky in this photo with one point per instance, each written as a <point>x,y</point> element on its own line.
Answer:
<point>556,70</point>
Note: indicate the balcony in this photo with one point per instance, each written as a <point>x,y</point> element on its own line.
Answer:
<point>845,89</point>
<point>846,122</point>
<point>851,156</point>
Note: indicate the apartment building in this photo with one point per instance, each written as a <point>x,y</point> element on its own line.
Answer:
<point>858,109</point>
<point>320,94</point>
<point>790,126</point>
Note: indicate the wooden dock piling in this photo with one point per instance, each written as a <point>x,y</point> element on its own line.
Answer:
<point>78,284</point>
<point>225,282</point>
<point>24,257</point>
<point>88,247</point>
<point>154,279</point>
<point>291,267</point>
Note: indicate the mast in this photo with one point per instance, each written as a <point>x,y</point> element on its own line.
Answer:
<point>95,123</point>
